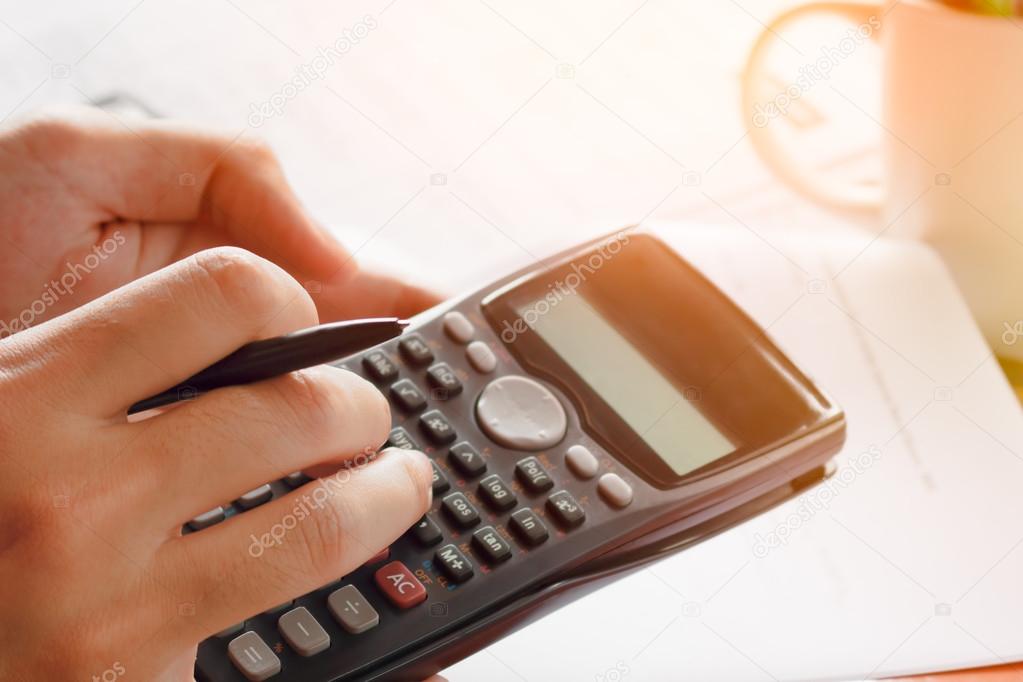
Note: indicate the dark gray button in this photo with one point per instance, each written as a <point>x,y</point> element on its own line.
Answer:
<point>453,563</point>
<point>379,366</point>
<point>481,357</point>
<point>467,459</point>
<point>444,382</point>
<point>533,475</point>
<point>565,509</point>
<point>207,519</point>
<point>408,396</point>
<point>414,349</point>
<point>520,413</point>
<point>302,632</point>
<point>528,527</point>
<point>440,481</point>
<point>437,427</point>
<point>352,611</point>
<point>489,543</point>
<point>253,657</point>
<point>458,507</point>
<point>296,479</point>
<point>581,461</point>
<point>400,438</point>
<point>496,492</point>
<point>426,532</point>
<point>615,491</point>
<point>458,327</point>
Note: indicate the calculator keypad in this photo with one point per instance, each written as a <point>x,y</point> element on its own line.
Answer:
<point>492,508</point>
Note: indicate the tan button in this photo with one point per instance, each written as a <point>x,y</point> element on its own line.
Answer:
<point>458,327</point>
<point>481,357</point>
<point>581,461</point>
<point>615,491</point>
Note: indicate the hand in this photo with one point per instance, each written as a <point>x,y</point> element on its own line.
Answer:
<point>89,205</point>
<point>95,575</point>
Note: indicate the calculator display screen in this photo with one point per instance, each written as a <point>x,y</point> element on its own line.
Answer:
<point>651,404</point>
<point>663,370</point>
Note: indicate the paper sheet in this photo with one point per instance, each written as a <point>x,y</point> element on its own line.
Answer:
<point>907,560</point>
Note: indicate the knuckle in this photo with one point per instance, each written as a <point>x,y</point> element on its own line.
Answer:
<point>55,128</point>
<point>313,403</point>
<point>243,282</point>
<point>254,151</point>
<point>327,401</point>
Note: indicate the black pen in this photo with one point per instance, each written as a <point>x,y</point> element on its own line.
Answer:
<point>272,357</point>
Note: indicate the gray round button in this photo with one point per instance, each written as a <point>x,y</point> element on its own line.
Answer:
<point>520,413</point>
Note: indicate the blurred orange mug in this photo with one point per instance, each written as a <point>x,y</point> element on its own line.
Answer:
<point>952,140</point>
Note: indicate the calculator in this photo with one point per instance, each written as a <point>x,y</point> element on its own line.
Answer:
<point>585,417</point>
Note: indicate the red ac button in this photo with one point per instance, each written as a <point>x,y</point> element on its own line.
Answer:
<point>401,587</point>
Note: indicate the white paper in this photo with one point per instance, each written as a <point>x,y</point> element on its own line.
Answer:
<point>909,563</point>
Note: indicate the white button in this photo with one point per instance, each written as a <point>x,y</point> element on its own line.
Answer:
<point>458,327</point>
<point>615,491</point>
<point>481,357</point>
<point>520,413</point>
<point>581,461</point>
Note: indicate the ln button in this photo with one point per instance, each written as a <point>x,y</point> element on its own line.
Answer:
<point>528,527</point>
<point>399,585</point>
